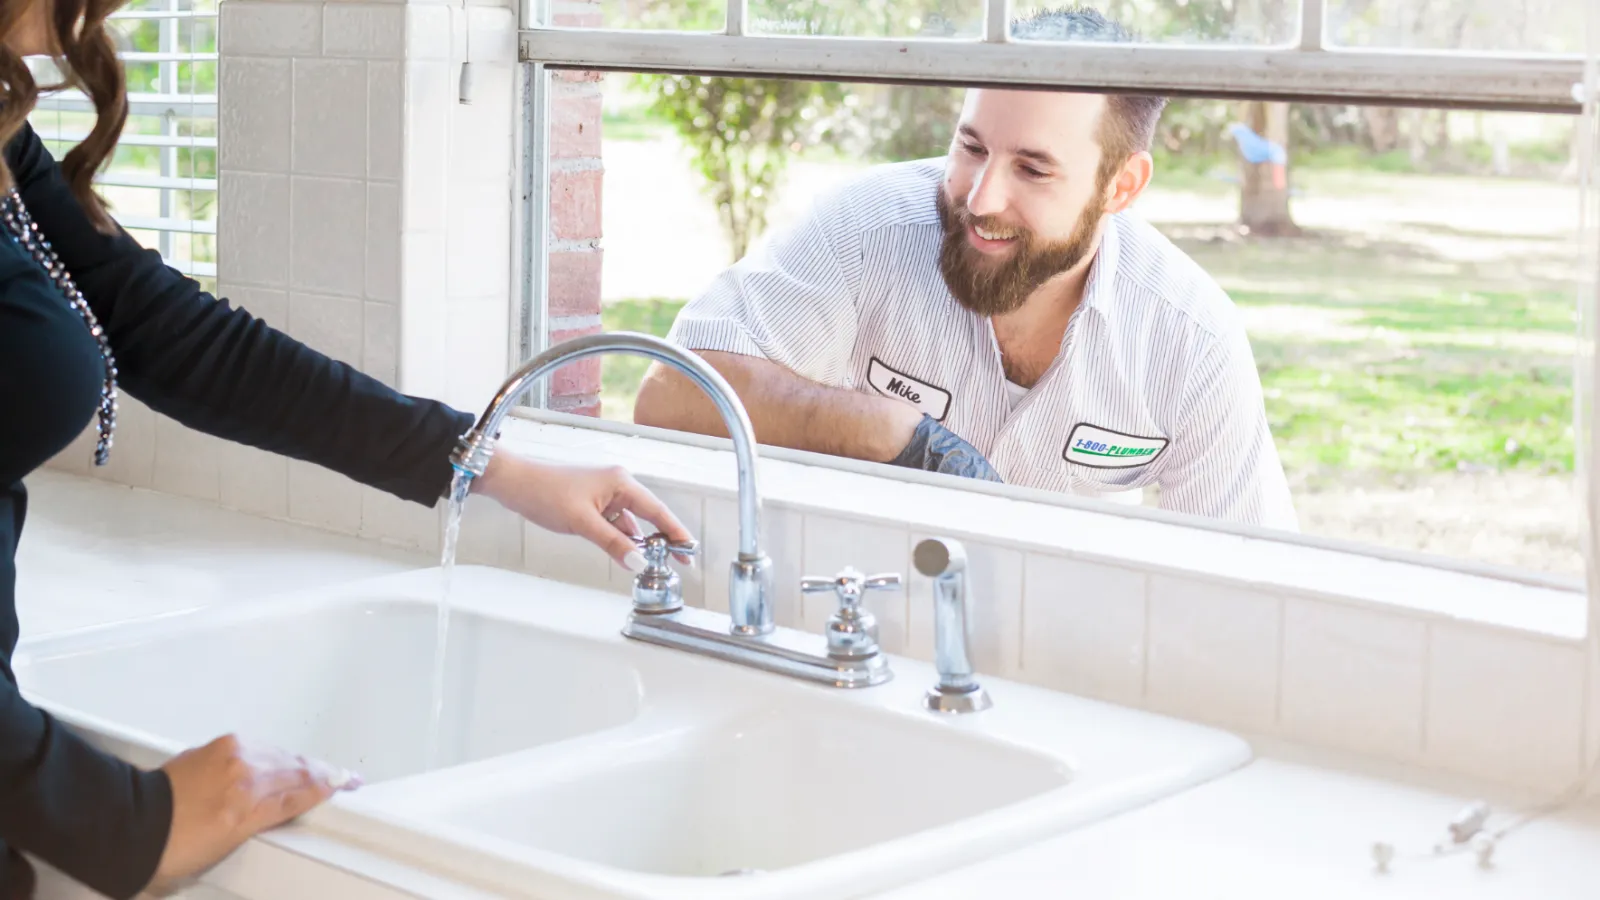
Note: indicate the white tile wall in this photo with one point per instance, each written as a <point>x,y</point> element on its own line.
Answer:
<point>273,28</point>
<point>376,31</point>
<point>1504,707</point>
<point>186,462</point>
<point>1354,678</point>
<point>330,235</point>
<point>1214,652</point>
<point>1083,627</point>
<point>253,212</point>
<point>383,271</point>
<point>330,325</point>
<point>255,481</point>
<point>833,544</point>
<point>324,499</point>
<point>330,119</point>
<point>385,120</point>
<point>256,115</point>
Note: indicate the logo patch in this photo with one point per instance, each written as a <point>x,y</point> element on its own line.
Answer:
<point>1102,448</point>
<point>891,383</point>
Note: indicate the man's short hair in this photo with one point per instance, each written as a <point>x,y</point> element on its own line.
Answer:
<point>1129,123</point>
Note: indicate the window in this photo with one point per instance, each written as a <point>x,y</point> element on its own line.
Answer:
<point>1408,282</point>
<point>161,183</point>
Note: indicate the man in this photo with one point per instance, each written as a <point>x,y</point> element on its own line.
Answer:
<point>997,314</point>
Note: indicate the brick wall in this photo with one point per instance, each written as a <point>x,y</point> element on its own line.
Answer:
<point>576,173</point>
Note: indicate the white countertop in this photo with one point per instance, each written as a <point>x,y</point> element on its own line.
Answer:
<point>1294,823</point>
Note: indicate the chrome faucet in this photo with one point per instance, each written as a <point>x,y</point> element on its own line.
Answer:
<point>746,635</point>
<point>958,691</point>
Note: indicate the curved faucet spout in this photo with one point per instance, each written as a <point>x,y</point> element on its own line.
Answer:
<point>749,590</point>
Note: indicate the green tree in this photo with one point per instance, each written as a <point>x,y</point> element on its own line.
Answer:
<point>741,133</point>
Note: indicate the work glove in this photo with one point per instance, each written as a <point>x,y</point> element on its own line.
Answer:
<point>935,448</point>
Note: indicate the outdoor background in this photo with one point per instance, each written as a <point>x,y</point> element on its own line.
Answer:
<point>1411,300</point>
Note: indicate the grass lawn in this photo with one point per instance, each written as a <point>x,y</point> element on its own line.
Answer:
<point>620,375</point>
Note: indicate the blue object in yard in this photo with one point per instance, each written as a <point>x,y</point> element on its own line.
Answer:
<point>1255,148</point>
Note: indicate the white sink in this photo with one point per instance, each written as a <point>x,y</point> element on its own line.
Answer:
<point>578,763</point>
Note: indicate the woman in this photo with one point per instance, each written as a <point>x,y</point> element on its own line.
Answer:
<point>90,312</point>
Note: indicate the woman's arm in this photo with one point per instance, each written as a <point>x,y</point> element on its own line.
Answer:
<point>220,370</point>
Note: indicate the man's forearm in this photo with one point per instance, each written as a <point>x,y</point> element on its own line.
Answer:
<point>785,409</point>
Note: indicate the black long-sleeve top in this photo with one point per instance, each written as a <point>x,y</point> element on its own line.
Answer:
<point>212,367</point>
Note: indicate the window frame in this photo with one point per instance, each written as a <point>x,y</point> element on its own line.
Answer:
<point>174,104</point>
<point>1307,69</point>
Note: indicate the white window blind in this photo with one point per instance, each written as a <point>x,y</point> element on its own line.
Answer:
<point>162,182</point>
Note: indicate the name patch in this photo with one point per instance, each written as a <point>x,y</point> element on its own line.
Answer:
<point>1102,448</point>
<point>933,401</point>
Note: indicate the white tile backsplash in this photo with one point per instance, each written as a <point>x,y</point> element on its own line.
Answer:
<point>424,314</point>
<point>430,94</point>
<point>376,31</point>
<point>255,118</point>
<point>186,462</point>
<point>330,325</point>
<point>994,607</point>
<point>255,481</point>
<point>269,28</point>
<point>1504,707</point>
<point>1353,678</point>
<point>383,242</point>
<point>253,211</point>
<point>401,523</point>
<point>330,236</point>
<point>1083,627</point>
<point>475,347</point>
<point>330,118</point>
<point>834,544</point>
<point>380,342</point>
<point>386,83</point>
<point>567,558</point>
<point>323,498</point>
<point>427,32</point>
<point>491,535</point>
<point>1213,652</point>
<point>479,238</point>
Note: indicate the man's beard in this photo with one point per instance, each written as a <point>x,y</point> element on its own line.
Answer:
<point>994,286</point>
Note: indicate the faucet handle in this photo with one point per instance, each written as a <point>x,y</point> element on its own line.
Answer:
<point>657,547</point>
<point>658,589</point>
<point>850,585</point>
<point>852,631</point>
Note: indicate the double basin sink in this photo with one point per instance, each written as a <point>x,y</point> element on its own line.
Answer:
<point>573,762</point>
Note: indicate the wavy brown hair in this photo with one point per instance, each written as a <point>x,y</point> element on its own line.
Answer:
<point>88,59</point>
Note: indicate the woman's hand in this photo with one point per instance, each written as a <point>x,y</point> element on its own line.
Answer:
<point>227,792</point>
<point>597,503</point>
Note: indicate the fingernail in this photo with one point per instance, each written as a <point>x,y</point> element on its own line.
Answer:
<point>634,562</point>
<point>344,778</point>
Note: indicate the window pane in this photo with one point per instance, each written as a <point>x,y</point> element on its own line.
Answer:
<point>1406,283</point>
<point>1179,21</point>
<point>867,18</point>
<point>658,15</point>
<point>1528,26</point>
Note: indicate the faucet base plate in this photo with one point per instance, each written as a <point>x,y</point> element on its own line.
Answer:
<point>781,651</point>
<point>969,700</point>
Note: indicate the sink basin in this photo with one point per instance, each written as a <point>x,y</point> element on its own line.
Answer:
<point>578,763</point>
<point>349,681</point>
<point>764,792</point>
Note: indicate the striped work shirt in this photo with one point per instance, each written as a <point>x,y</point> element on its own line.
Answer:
<point>1155,383</point>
